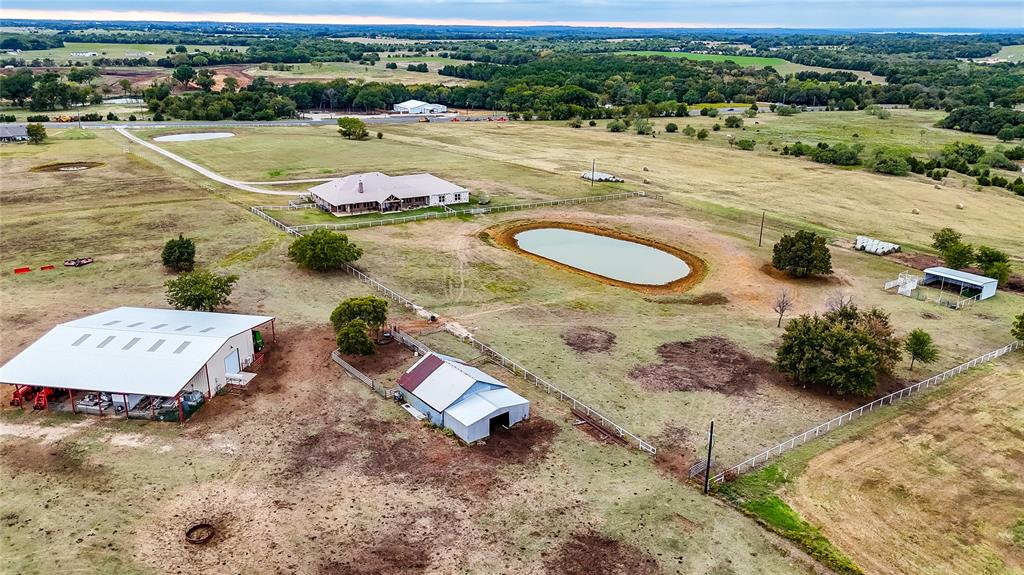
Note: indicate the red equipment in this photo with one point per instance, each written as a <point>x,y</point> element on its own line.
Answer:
<point>42,398</point>
<point>21,394</point>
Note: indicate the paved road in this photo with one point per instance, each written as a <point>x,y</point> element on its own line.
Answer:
<point>208,173</point>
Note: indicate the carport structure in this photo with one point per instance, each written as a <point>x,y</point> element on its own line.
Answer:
<point>141,362</point>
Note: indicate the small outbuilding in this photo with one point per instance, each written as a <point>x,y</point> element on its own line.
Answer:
<point>967,284</point>
<point>13,133</point>
<point>418,107</point>
<point>460,397</point>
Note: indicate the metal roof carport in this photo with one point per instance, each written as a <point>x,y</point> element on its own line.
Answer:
<point>986,285</point>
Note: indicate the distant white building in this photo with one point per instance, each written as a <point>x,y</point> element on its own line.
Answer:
<point>84,54</point>
<point>418,107</point>
<point>377,192</point>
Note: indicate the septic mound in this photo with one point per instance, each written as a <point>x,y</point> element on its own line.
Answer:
<point>592,552</point>
<point>588,339</point>
<point>707,363</point>
<point>66,167</point>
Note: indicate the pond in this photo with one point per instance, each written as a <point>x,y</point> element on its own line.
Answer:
<point>194,137</point>
<point>609,257</point>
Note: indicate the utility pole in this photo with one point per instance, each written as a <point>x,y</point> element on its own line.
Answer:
<point>707,468</point>
<point>760,235</point>
<point>593,172</point>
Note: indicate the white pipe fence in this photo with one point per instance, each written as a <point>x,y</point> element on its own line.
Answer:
<point>468,211</point>
<point>838,421</point>
<point>577,405</point>
<point>378,388</point>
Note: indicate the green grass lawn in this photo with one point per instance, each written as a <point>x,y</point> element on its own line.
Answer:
<point>113,50</point>
<point>781,66</point>
<point>1014,53</point>
<point>375,73</point>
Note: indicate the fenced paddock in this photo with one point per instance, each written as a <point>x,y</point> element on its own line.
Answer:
<point>838,421</point>
<point>447,213</point>
<point>376,386</point>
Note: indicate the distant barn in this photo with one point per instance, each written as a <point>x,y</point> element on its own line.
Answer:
<point>418,107</point>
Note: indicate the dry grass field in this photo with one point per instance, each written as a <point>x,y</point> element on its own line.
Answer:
<point>935,490</point>
<point>312,473</point>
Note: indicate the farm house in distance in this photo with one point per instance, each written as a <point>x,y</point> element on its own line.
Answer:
<point>138,362</point>
<point>461,397</point>
<point>418,107</point>
<point>377,192</point>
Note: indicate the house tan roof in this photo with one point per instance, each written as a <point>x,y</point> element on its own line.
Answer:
<point>377,187</point>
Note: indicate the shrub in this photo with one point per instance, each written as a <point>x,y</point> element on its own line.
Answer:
<point>592,123</point>
<point>702,134</point>
<point>38,118</point>
<point>616,126</point>
<point>5,118</point>
<point>671,128</point>
<point>689,131</point>
<point>36,133</point>
<point>717,127</point>
<point>352,128</point>
<point>712,112</point>
<point>845,350</point>
<point>997,160</point>
<point>802,254</point>
<point>643,127</point>
<point>380,135</point>
<point>323,250</point>
<point>371,310</point>
<point>745,144</point>
<point>919,347</point>
<point>889,161</point>
<point>958,255</point>
<point>179,254</point>
<point>1017,331</point>
<point>576,122</point>
<point>132,118</point>
<point>786,110</point>
<point>945,237</point>
<point>112,117</point>
<point>200,290</point>
<point>353,339</point>
<point>733,122</point>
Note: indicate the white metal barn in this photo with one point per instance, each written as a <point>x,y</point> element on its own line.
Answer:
<point>418,107</point>
<point>461,397</point>
<point>129,358</point>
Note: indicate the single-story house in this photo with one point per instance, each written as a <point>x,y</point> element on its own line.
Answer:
<point>418,107</point>
<point>967,284</point>
<point>461,397</point>
<point>118,358</point>
<point>377,192</point>
<point>84,54</point>
<point>13,133</point>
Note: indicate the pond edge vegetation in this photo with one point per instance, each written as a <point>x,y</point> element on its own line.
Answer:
<point>504,235</point>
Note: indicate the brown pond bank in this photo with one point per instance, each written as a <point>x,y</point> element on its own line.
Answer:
<point>504,234</point>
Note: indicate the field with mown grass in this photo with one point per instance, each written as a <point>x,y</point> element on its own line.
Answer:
<point>356,71</point>
<point>781,66</point>
<point>114,51</point>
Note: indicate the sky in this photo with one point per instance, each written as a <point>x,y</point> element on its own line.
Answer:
<point>889,14</point>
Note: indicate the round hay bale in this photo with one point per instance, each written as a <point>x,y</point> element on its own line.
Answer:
<point>959,206</point>
<point>645,169</point>
<point>646,181</point>
<point>915,211</point>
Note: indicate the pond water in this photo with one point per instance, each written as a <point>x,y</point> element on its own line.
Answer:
<point>612,258</point>
<point>194,137</point>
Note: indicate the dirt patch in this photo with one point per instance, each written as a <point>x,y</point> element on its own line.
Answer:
<point>783,276</point>
<point>707,363</point>
<point>929,315</point>
<point>592,552</point>
<point>65,459</point>
<point>389,357</point>
<point>68,167</point>
<point>588,339</point>
<point>713,298</point>
<point>677,452</point>
<point>396,451</point>
<point>504,235</point>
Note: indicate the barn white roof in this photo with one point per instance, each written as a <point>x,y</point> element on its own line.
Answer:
<point>481,405</point>
<point>127,350</point>
<point>447,382</point>
<point>377,187</point>
<point>966,277</point>
<point>412,104</point>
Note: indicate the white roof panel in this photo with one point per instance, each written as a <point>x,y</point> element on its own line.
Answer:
<point>411,104</point>
<point>377,187</point>
<point>959,275</point>
<point>449,381</point>
<point>126,350</point>
<point>481,405</point>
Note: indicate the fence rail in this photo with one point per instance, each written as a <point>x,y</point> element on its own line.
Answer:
<point>577,405</point>
<point>385,392</point>
<point>258,210</point>
<point>468,211</point>
<point>838,421</point>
